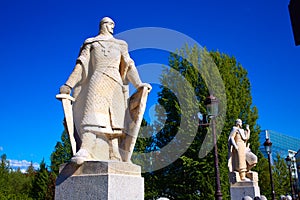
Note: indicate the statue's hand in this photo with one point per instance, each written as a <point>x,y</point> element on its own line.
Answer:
<point>247,127</point>
<point>146,85</point>
<point>65,89</point>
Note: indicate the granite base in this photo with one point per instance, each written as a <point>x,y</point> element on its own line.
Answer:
<point>100,180</point>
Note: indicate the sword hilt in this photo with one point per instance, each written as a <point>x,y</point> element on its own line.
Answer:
<point>65,96</point>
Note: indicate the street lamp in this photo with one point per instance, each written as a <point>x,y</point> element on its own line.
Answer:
<point>268,148</point>
<point>298,192</point>
<point>289,163</point>
<point>212,107</point>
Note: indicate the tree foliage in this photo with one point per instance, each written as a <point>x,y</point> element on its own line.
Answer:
<point>40,183</point>
<point>190,173</point>
<point>191,176</point>
<point>280,176</point>
<point>62,153</point>
<point>33,184</point>
<point>14,184</point>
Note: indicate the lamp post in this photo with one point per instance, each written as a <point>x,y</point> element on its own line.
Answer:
<point>298,192</point>
<point>212,107</point>
<point>289,163</point>
<point>268,148</point>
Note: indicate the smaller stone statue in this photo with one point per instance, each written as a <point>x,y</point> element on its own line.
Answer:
<point>241,159</point>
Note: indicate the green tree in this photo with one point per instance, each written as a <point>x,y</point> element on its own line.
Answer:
<point>264,182</point>
<point>30,174</point>
<point>30,170</point>
<point>192,176</point>
<point>5,165</point>
<point>51,186</point>
<point>144,139</point>
<point>4,176</point>
<point>280,176</point>
<point>62,153</point>
<point>20,185</point>
<point>13,184</point>
<point>40,183</point>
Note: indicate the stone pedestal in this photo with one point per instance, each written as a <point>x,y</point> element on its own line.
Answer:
<point>100,180</point>
<point>239,188</point>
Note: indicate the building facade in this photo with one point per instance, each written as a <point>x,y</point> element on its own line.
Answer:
<point>284,145</point>
<point>281,144</point>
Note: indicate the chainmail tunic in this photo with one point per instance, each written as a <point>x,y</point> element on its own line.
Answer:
<point>101,97</point>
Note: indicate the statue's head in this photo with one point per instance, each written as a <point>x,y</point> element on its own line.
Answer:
<point>106,26</point>
<point>238,122</point>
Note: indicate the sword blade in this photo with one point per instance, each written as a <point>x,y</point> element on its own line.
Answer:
<point>67,107</point>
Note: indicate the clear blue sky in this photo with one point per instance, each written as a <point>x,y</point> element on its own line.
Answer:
<point>40,41</point>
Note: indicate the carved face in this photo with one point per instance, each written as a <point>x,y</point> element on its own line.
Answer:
<point>107,25</point>
<point>239,122</point>
<point>110,27</point>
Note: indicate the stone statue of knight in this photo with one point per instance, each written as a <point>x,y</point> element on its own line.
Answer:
<point>106,119</point>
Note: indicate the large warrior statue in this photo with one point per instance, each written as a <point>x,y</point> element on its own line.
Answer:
<point>106,120</point>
